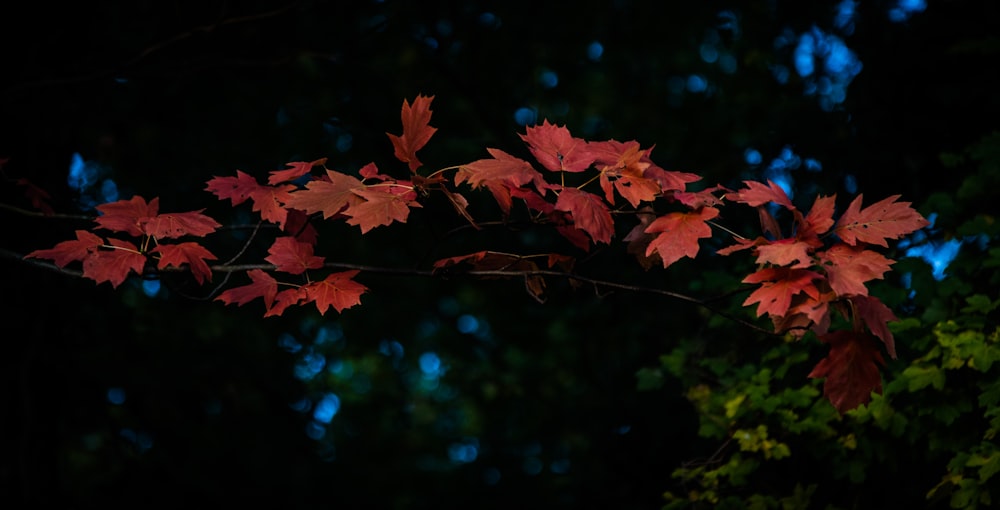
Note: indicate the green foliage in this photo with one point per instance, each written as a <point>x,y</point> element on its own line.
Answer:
<point>772,443</point>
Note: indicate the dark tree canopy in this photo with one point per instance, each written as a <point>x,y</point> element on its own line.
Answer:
<point>455,392</point>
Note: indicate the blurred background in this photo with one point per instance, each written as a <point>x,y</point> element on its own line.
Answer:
<point>470,394</point>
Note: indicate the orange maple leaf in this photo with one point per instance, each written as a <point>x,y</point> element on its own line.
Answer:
<point>679,233</point>
<point>849,267</point>
<point>778,286</point>
<point>756,194</point>
<point>337,290</point>
<point>379,207</point>
<point>329,196</point>
<point>416,131</point>
<point>885,219</point>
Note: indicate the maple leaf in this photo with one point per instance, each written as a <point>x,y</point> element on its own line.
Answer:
<point>851,369</point>
<point>330,196</point>
<point>192,254</point>
<point>699,199</point>
<point>818,221</point>
<point>284,299</point>
<point>756,194</point>
<point>337,290</point>
<point>638,240</point>
<point>742,243</point>
<point>885,219</point>
<point>849,267</point>
<point>114,265</point>
<point>298,169</point>
<point>589,213</point>
<point>297,223</point>
<point>269,202</point>
<point>292,256</point>
<point>174,225</point>
<point>416,131</point>
<point>778,286</point>
<point>784,252</point>
<point>263,286</point>
<point>69,251</point>
<point>237,189</point>
<point>556,149</point>
<point>380,207</point>
<point>503,171</point>
<point>630,183</point>
<point>876,316</point>
<point>679,234</point>
<point>125,215</point>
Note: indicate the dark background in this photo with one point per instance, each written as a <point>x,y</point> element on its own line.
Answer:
<point>162,96</point>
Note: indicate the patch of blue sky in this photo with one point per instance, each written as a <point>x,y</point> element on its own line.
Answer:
<point>938,254</point>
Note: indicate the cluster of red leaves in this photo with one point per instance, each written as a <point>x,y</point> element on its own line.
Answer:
<point>821,267</point>
<point>113,259</point>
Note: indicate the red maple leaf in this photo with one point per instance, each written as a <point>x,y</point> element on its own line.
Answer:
<point>756,194</point>
<point>284,299</point>
<point>849,267</point>
<point>297,223</point>
<point>876,316</point>
<point>885,219</point>
<point>263,286</point>
<point>556,149</point>
<point>237,189</point>
<point>69,251</point>
<point>778,286</point>
<point>298,169</point>
<point>337,290</point>
<point>192,254</point>
<point>381,206</point>
<point>588,212</point>
<point>699,199</point>
<point>125,215</point>
<point>174,225</point>
<point>329,196</point>
<point>851,369</point>
<point>679,234</point>
<point>784,252</point>
<point>269,202</point>
<point>818,221</point>
<point>292,256</point>
<point>114,265</point>
<point>499,175</point>
<point>416,131</point>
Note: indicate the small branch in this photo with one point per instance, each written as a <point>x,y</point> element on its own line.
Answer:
<point>39,214</point>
